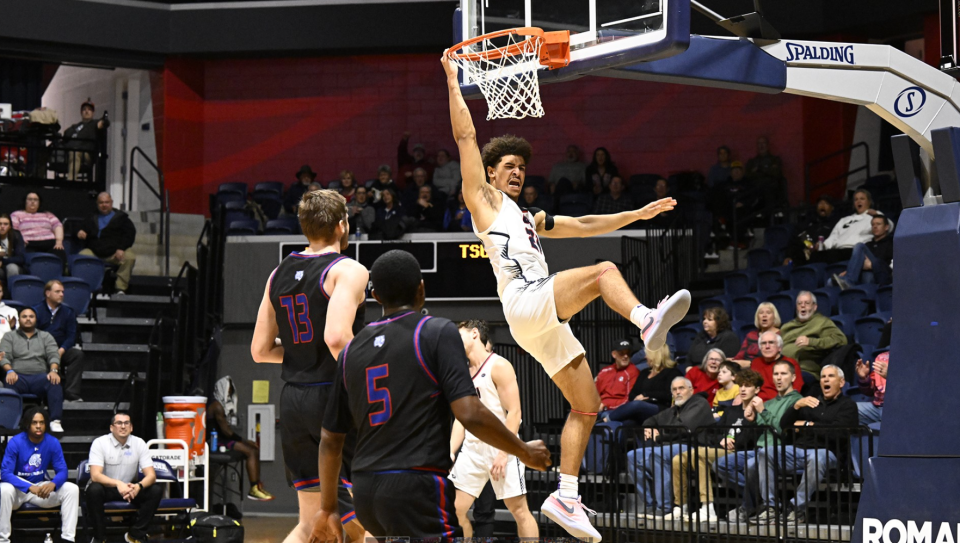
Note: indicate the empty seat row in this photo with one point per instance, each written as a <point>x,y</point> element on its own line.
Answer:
<point>27,291</point>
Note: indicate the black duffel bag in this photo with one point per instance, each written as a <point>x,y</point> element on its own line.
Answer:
<point>216,529</point>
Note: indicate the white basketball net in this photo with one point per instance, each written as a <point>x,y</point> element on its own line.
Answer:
<point>509,83</point>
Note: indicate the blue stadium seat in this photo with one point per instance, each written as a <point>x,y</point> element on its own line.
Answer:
<point>278,227</point>
<point>272,186</point>
<point>760,259</point>
<point>15,304</point>
<point>828,299</point>
<point>836,268</point>
<point>745,307</point>
<point>11,408</point>
<point>868,330</point>
<point>771,280</point>
<point>883,315</point>
<point>684,336</point>
<point>243,227</point>
<point>575,205</point>
<point>233,187</point>
<point>776,238</point>
<point>721,300</point>
<point>739,283</point>
<point>224,198</point>
<point>885,298</point>
<point>76,294</point>
<point>269,202</point>
<point>855,302</point>
<point>89,268</point>
<point>846,324</point>
<point>44,265</point>
<point>287,222</point>
<point>745,328</point>
<point>786,305</point>
<point>26,289</point>
<point>808,277</point>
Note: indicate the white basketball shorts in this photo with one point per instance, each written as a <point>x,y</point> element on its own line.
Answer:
<point>472,471</point>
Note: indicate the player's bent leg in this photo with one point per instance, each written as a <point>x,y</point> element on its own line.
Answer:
<point>526,524</point>
<point>463,503</point>
<point>309,504</point>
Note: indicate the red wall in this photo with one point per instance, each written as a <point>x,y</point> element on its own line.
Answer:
<point>258,120</point>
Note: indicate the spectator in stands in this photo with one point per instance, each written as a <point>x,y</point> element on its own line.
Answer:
<point>533,198</point>
<point>615,381</point>
<point>31,364</point>
<point>384,180</point>
<point>304,176</point>
<point>390,223</point>
<point>765,173</point>
<point>361,213</point>
<point>716,333</point>
<point>736,195</point>
<point>457,216</point>
<point>81,139</point>
<point>60,321</point>
<point>8,317</point>
<point>646,466</point>
<point>29,455</point>
<point>109,234</point>
<point>312,187</point>
<point>41,230</point>
<point>740,469</point>
<point>651,390</point>
<point>222,417</point>
<point>810,337</point>
<point>613,201</point>
<point>114,461</point>
<point>728,393</point>
<point>428,215</point>
<point>348,185</point>
<point>661,189</point>
<point>849,231</point>
<point>407,162</point>
<point>766,318</point>
<point>411,194</point>
<point>873,383</point>
<point>601,170</point>
<point>570,168</point>
<point>720,172</point>
<point>704,376</point>
<point>819,225</point>
<point>11,249</point>
<point>816,452</point>
<point>771,348</point>
<point>446,176</point>
<point>876,255</point>
<point>733,434</point>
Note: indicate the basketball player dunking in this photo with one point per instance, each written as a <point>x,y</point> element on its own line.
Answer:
<point>314,304</point>
<point>536,304</point>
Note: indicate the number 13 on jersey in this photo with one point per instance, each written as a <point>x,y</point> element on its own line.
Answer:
<point>532,234</point>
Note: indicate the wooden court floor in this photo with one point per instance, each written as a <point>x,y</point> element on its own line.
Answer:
<point>267,529</point>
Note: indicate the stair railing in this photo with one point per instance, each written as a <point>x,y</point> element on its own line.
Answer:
<point>162,194</point>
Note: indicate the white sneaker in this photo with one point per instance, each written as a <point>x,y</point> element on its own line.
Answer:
<point>658,322</point>
<point>707,513</point>
<point>677,514</point>
<point>55,426</point>
<point>570,515</point>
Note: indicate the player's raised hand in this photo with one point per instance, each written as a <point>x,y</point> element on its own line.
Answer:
<point>653,209</point>
<point>449,66</point>
<point>537,456</point>
<point>326,527</point>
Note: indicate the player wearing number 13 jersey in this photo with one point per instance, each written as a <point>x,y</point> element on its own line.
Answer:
<point>536,304</point>
<point>313,303</point>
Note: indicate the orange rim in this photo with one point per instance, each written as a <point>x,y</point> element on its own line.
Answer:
<point>514,49</point>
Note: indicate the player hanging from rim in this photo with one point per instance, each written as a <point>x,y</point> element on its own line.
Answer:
<point>312,306</point>
<point>537,305</point>
<point>496,384</point>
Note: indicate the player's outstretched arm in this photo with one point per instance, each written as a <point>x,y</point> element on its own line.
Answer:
<point>479,421</point>
<point>326,522</point>
<point>481,199</point>
<point>348,283</point>
<point>264,346</point>
<point>593,225</point>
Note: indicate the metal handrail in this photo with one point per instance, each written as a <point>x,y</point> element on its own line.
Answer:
<point>162,194</point>
<point>808,189</point>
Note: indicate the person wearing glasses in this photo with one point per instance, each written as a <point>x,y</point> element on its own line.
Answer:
<point>115,460</point>
<point>811,336</point>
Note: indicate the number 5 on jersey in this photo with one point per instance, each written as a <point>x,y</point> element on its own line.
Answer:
<point>379,395</point>
<point>298,314</point>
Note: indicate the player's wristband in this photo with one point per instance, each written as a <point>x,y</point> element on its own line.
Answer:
<point>10,371</point>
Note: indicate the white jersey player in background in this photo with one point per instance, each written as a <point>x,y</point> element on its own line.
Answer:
<point>536,304</point>
<point>496,384</point>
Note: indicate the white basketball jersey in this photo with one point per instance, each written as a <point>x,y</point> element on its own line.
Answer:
<point>513,246</point>
<point>487,391</point>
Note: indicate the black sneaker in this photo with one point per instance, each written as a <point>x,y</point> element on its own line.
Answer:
<point>768,515</point>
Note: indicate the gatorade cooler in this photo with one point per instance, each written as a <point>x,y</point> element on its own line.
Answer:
<point>198,406</point>
<point>179,425</point>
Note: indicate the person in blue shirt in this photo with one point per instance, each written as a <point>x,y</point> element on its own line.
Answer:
<point>60,321</point>
<point>28,456</point>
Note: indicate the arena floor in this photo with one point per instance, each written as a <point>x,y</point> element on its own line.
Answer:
<point>267,529</point>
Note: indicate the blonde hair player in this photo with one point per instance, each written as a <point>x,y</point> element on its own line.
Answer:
<point>537,304</point>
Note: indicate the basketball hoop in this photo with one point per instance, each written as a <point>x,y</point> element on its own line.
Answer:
<point>507,73</point>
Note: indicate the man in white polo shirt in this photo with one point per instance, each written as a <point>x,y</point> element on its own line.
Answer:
<point>114,460</point>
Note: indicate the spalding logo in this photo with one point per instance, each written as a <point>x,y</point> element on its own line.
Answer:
<point>895,531</point>
<point>910,101</point>
<point>837,53</point>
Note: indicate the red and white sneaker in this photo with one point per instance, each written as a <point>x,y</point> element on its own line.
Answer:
<point>571,516</point>
<point>658,322</point>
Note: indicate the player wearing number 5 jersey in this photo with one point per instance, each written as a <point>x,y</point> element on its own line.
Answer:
<point>398,383</point>
<point>536,304</point>
<point>313,304</point>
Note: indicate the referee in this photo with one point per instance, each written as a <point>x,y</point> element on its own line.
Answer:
<point>400,382</point>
